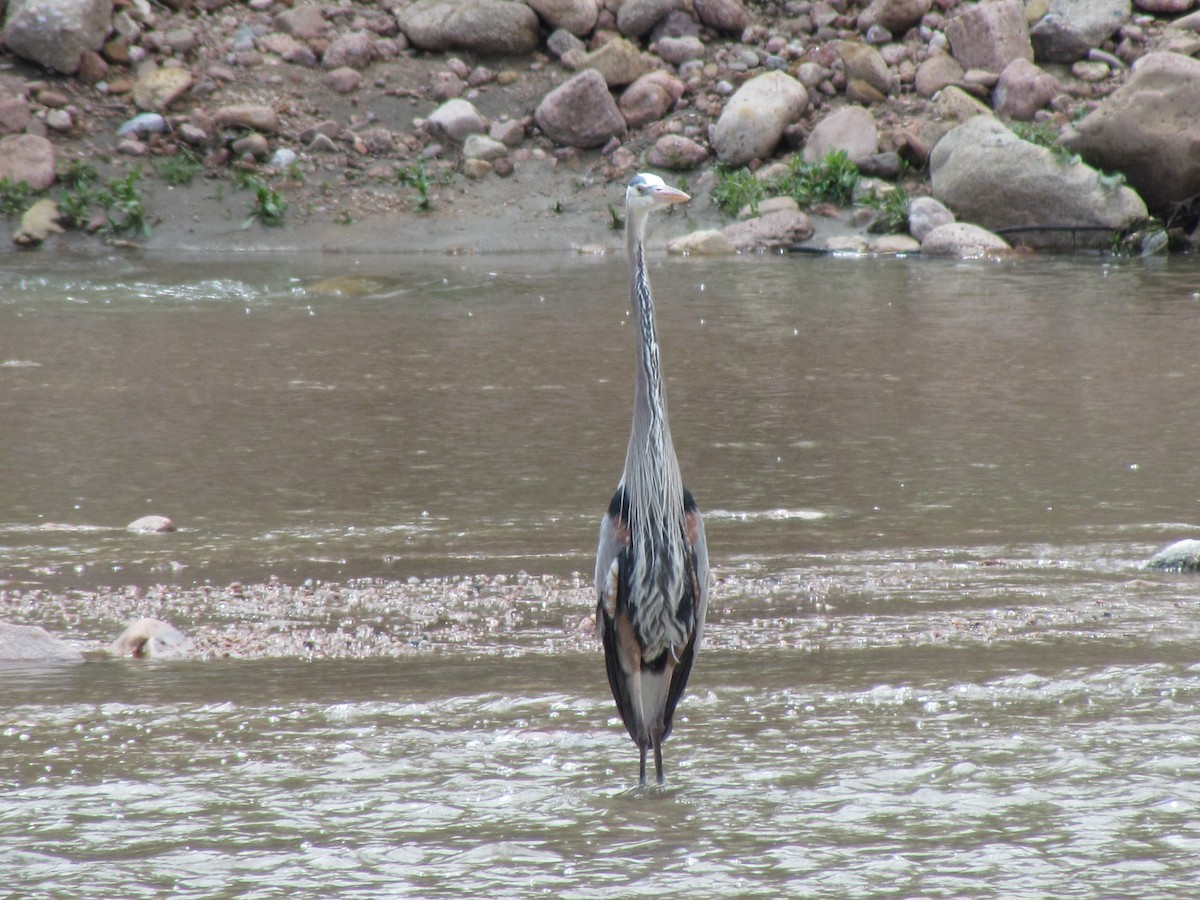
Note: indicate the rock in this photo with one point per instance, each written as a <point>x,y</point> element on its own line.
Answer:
<point>30,643</point>
<point>894,245</point>
<point>955,103</point>
<point>1181,556</point>
<point>510,133</point>
<point>355,50</point>
<point>1164,7</point>
<point>885,165</point>
<point>247,115</point>
<point>157,89</point>
<point>38,223</point>
<point>251,145</point>
<point>455,119</point>
<point>580,112</point>
<point>772,231</point>
<point>56,33</point>
<point>143,123</point>
<point>963,241</point>
<point>650,98</point>
<point>476,169</point>
<point>1147,130</point>
<point>847,244</point>
<point>28,158</point>
<point>754,118</point>
<point>677,153</point>
<point>501,27</point>
<point>897,16</point>
<point>152,639</point>
<point>937,72</point>
<point>478,146</point>
<point>619,61</point>
<point>1023,89</point>
<point>305,23</point>
<point>576,16</point>
<point>636,17</point>
<point>15,113</point>
<point>990,35</point>
<point>926,214</point>
<point>728,16</point>
<point>678,50</point>
<point>1071,28</point>
<point>709,242</point>
<point>151,525</point>
<point>863,62</point>
<point>850,129</point>
<point>344,80</point>
<point>988,175</point>
<point>562,42</point>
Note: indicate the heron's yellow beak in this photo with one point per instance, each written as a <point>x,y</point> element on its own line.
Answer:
<point>667,194</point>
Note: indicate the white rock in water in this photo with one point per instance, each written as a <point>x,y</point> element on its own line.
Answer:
<point>151,525</point>
<point>144,123</point>
<point>152,639</point>
<point>30,643</point>
<point>1181,556</point>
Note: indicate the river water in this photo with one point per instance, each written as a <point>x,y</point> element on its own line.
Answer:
<point>934,665</point>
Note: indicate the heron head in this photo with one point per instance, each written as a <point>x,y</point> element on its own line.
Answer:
<point>648,191</point>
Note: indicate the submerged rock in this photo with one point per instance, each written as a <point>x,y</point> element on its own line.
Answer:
<point>151,525</point>
<point>30,643</point>
<point>1181,556</point>
<point>152,639</point>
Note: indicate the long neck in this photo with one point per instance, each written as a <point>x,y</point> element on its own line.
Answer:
<point>651,469</point>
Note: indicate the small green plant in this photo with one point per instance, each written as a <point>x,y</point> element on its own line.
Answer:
<point>832,180</point>
<point>124,205</point>
<point>735,189</point>
<point>615,222</point>
<point>13,196</point>
<point>893,210</point>
<point>268,205</point>
<point>417,176</point>
<point>1040,133</point>
<point>79,193</point>
<point>180,169</point>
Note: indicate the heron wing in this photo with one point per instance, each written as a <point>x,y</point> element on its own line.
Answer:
<point>698,584</point>
<point>622,654</point>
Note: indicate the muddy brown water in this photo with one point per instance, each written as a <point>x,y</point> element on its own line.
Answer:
<point>935,667</point>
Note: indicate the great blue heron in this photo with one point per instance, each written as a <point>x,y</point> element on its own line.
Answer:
<point>652,563</point>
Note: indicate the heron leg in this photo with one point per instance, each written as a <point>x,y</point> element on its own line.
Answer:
<point>658,767</point>
<point>642,766</point>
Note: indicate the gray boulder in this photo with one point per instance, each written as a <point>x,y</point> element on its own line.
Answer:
<point>1181,556</point>
<point>575,16</point>
<point>29,158</point>
<point>56,33</point>
<point>963,241</point>
<point>772,231</point>
<point>897,16</point>
<point>1070,28</point>
<point>502,27</point>
<point>753,120</point>
<point>990,35</point>
<point>1023,89</point>
<point>152,639</point>
<point>722,15</point>
<point>676,152</point>
<point>29,643</point>
<point>580,112</point>
<point>926,214</point>
<point>151,525</point>
<point>650,98</point>
<point>455,119</point>
<point>636,17</point>
<point>618,60</point>
<point>988,175</point>
<point>850,129</point>
<point>1147,129</point>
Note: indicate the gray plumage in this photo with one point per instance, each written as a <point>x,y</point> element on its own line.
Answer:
<point>652,563</point>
